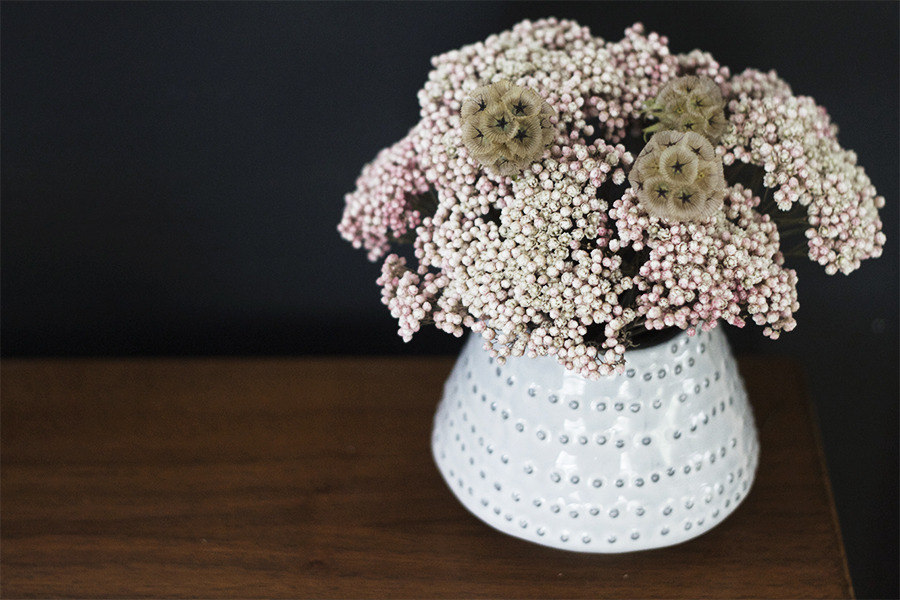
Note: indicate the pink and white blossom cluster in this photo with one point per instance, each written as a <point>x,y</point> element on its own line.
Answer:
<point>795,142</point>
<point>726,268</point>
<point>561,259</point>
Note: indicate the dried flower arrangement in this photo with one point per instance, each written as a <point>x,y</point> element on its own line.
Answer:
<point>564,194</point>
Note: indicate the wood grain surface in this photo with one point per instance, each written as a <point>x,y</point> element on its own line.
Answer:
<point>313,478</point>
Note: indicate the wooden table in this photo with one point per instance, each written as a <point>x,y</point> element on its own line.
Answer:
<point>312,477</point>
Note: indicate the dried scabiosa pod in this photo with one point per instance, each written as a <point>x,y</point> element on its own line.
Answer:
<point>678,177</point>
<point>506,126</point>
<point>690,104</point>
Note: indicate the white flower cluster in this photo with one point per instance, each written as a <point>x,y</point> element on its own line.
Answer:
<point>562,259</point>
<point>794,140</point>
<point>698,273</point>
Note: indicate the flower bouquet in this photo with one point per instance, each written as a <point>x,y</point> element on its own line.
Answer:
<point>574,198</point>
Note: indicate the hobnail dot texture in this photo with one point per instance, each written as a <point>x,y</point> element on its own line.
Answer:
<point>647,459</point>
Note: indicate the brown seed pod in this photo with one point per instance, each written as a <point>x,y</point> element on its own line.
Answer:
<point>506,126</point>
<point>678,177</point>
<point>690,103</point>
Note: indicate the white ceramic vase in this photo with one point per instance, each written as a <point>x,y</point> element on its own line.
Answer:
<point>642,460</point>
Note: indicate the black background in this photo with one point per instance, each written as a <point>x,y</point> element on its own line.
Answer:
<point>173,174</point>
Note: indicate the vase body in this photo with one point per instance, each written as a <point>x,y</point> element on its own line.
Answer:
<point>649,458</point>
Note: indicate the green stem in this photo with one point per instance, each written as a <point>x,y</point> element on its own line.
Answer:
<point>800,250</point>
<point>791,230</point>
<point>799,221</point>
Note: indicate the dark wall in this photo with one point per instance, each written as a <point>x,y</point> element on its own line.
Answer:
<point>172,175</point>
